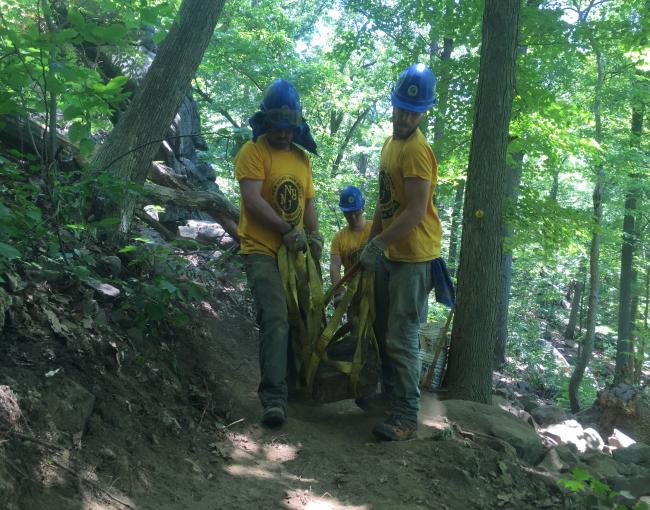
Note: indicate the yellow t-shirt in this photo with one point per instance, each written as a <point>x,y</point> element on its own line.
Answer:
<point>401,159</point>
<point>287,186</point>
<point>350,243</point>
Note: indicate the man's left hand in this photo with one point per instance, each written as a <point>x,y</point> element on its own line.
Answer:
<point>372,250</point>
<point>315,241</point>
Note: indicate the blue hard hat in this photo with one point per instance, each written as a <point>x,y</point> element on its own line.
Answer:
<point>281,105</point>
<point>415,90</point>
<point>351,199</point>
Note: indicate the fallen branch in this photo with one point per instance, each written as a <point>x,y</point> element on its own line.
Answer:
<point>164,232</point>
<point>212,202</point>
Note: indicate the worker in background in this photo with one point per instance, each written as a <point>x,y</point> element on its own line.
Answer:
<point>404,240</point>
<point>277,207</point>
<point>348,242</point>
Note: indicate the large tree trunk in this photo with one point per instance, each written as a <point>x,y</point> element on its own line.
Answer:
<point>470,364</point>
<point>154,106</point>
<point>454,229</point>
<point>625,346</point>
<point>513,179</point>
<point>594,263</point>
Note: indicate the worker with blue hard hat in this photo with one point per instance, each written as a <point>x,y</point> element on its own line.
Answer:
<point>277,207</point>
<point>404,243</point>
<point>348,242</point>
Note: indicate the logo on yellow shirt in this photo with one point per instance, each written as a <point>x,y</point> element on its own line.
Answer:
<point>387,203</point>
<point>288,199</point>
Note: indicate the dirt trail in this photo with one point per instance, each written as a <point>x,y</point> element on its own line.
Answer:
<point>177,427</point>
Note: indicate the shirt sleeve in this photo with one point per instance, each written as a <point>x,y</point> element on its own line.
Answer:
<point>336,244</point>
<point>310,191</point>
<point>249,163</point>
<point>418,161</point>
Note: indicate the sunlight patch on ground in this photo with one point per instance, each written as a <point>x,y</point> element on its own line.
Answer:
<point>305,500</point>
<point>432,411</point>
<point>260,473</point>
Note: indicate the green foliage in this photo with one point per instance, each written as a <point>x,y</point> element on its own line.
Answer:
<point>592,494</point>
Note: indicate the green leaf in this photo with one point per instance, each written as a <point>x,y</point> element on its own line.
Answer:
<point>86,147</point>
<point>72,112</point>
<point>78,131</point>
<point>108,222</point>
<point>128,249</point>
<point>110,33</point>
<point>168,286</point>
<point>8,252</point>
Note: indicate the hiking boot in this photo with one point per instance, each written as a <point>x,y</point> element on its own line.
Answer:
<point>377,403</point>
<point>274,416</point>
<point>396,428</point>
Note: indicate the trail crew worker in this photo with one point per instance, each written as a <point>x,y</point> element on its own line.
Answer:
<point>277,207</point>
<point>348,242</point>
<point>405,238</point>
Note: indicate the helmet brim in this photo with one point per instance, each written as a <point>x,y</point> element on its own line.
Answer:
<point>350,209</point>
<point>410,107</point>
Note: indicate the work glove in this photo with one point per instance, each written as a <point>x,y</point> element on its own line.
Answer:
<point>372,250</point>
<point>295,240</point>
<point>315,241</point>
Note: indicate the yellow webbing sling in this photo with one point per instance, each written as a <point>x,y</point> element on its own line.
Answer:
<point>306,306</point>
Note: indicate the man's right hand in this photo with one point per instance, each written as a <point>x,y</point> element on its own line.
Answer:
<point>295,240</point>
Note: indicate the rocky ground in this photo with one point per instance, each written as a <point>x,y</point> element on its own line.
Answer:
<point>96,414</point>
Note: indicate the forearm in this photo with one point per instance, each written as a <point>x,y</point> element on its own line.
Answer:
<point>400,227</point>
<point>310,218</point>
<point>376,222</point>
<point>262,212</point>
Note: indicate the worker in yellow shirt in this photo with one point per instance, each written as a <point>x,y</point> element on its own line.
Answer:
<point>348,242</point>
<point>403,247</point>
<point>277,207</point>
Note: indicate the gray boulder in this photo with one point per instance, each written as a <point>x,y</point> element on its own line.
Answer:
<point>492,421</point>
<point>68,403</point>
<point>547,415</point>
<point>638,453</point>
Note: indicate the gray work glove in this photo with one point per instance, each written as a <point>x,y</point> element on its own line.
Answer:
<point>372,250</point>
<point>315,241</point>
<point>295,240</point>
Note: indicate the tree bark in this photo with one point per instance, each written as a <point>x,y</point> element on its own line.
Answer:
<point>454,229</point>
<point>512,195</point>
<point>576,300</point>
<point>470,363</point>
<point>624,372</point>
<point>594,254</point>
<point>153,108</point>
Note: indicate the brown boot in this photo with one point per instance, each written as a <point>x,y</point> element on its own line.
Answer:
<point>396,428</point>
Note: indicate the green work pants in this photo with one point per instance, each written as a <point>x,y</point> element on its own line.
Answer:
<point>270,301</point>
<point>401,291</point>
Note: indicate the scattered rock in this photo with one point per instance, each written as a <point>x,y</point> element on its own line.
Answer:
<point>638,453</point>
<point>10,413</point>
<point>620,440</point>
<point>636,485</point>
<point>571,432</point>
<point>547,415</point>
<point>553,463</point>
<point>110,265</point>
<point>103,291</point>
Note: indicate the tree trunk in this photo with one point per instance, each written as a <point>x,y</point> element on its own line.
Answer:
<point>153,107</point>
<point>454,229</point>
<point>512,195</point>
<point>624,372</point>
<point>576,300</point>
<point>594,264</point>
<point>470,364</point>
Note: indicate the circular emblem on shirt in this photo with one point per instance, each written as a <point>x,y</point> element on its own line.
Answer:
<point>412,90</point>
<point>288,199</point>
<point>387,203</point>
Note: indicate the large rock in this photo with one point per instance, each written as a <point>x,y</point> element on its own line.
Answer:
<point>638,453</point>
<point>10,413</point>
<point>570,432</point>
<point>620,440</point>
<point>492,421</point>
<point>547,415</point>
<point>68,403</point>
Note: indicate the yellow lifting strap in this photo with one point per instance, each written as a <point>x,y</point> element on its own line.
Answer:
<point>306,305</point>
